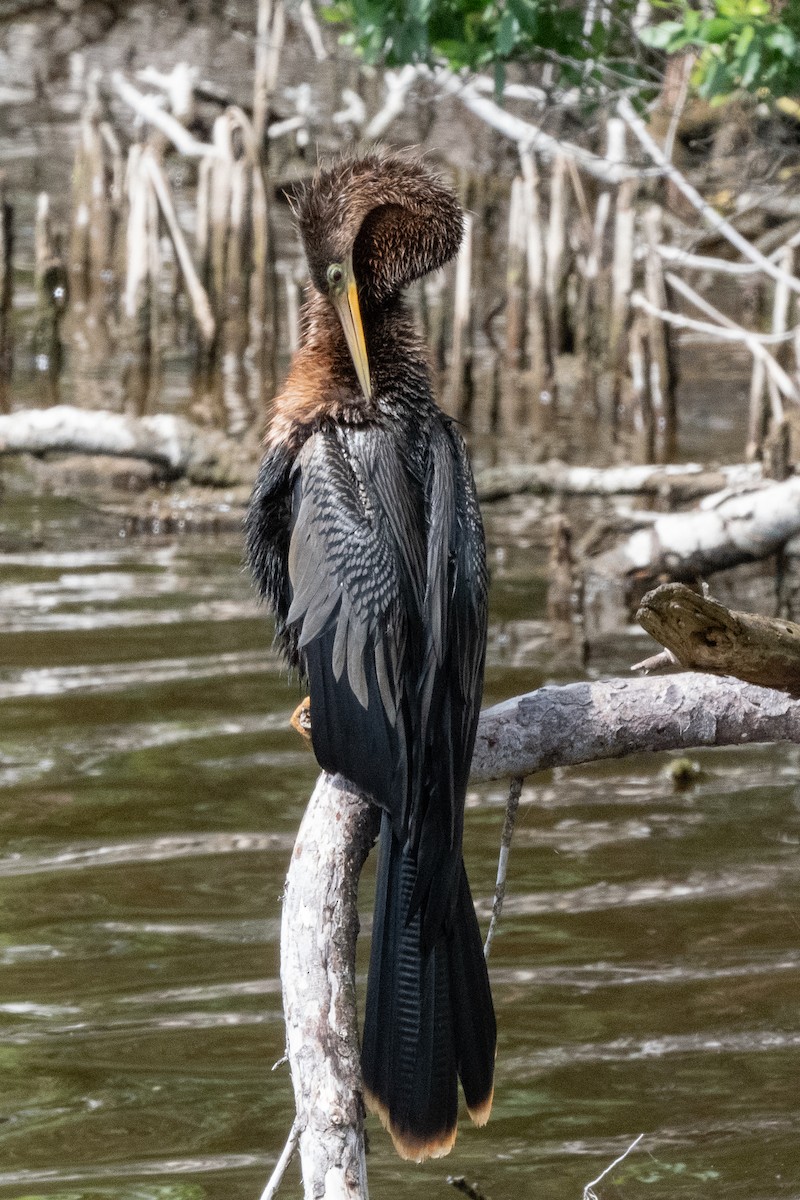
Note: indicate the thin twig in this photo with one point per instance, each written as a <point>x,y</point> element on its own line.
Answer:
<point>313,32</point>
<point>512,804</point>
<point>530,136</point>
<point>705,262</point>
<point>778,330</point>
<point>150,108</point>
<point>274,1181</point>
<point>197,293</point>
<point>716,315</point>
<point>706,210</point>
<point>753,342</point>
<point>588,1192</point>
<point>656,662</point>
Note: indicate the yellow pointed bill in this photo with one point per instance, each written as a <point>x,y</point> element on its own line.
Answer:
<point>349,313</point>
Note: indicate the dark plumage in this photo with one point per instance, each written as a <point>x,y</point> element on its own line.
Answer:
<point>364,536</point>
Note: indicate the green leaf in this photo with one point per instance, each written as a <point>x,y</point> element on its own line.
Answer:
<point>784,41</point>
<point>507,32</point>
<point>716,31</point>
<point>734,9</point>
<point>660,36</point>
<point>751,65</point>
<point>717,80</point>
<point>743,41</point>
<point>691,22</point>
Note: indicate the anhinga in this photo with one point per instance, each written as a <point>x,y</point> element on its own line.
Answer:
<point>365,537</point>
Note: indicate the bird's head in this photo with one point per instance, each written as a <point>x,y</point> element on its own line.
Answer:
<point>370,227</point>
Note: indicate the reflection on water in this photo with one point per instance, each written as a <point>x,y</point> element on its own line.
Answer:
<point>646,970</point>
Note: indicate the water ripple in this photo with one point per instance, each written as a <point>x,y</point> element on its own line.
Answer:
<point>592,977</point>
<point>26,1035</point>
<point>143,850</point>
<point>752,1041</point>
<point>113,677</point>
<point>203,1164</point>
<point>596,897</point>
<point>125,618</point>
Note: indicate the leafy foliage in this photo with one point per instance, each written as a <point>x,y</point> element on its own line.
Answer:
<point>476,34</point>
<point>750,44</point>
<point>743,44</point>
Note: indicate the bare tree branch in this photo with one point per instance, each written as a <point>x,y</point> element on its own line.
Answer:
<point>706,210</point>
<point>318,945</point>
<point>554,726</point>
<point>512,806</point>
<point>578,723</point>
<point>286,1156</point>
<point>169,441</point>
<point>679,482</point>
<point>530,136</point>
<point>150,109</point>
<point>726,333</point>
<point>726,529</point>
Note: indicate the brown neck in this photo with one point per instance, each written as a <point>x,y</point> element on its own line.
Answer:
<point>322,383</point>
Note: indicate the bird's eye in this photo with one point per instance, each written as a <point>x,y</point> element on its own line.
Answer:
<point>335,275</point>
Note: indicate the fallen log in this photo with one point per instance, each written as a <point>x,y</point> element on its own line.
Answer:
<point>554,726</point>
<point>173,443</point>
<point>704,635</point>
<point>677,483</point>
<point>726,529</point>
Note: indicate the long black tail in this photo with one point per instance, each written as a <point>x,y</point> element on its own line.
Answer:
<point>429,1017</point>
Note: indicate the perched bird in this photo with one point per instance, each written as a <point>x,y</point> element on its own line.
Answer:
<point>364,536</point>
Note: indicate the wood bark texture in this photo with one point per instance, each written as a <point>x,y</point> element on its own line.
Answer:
<point>203,456</point>
<point>554,726</point>
<point>675,483</point>
<point>318,945</point>
<point>726,529</point>
<point>704,635</point>
<point>577,723</point>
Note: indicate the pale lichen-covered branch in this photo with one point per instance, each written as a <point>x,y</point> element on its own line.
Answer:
<point>553,726</point>
<point>726,529</point>
<point>180,447</point>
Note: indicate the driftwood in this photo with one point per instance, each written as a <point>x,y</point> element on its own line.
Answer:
<point>676,483</point>
<point>318,945</point>
<point>704,635</point>
<point>186,449</point>
<point>725,530</point>
<point>554,726</point>
<point>173,443</point>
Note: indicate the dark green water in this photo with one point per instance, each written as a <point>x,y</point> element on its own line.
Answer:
<point>645,974</point>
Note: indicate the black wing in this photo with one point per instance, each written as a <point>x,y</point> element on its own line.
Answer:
<point>356,565</point>
<point>452,681</point>
<point>267,533</point>
<point>376,571</point>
